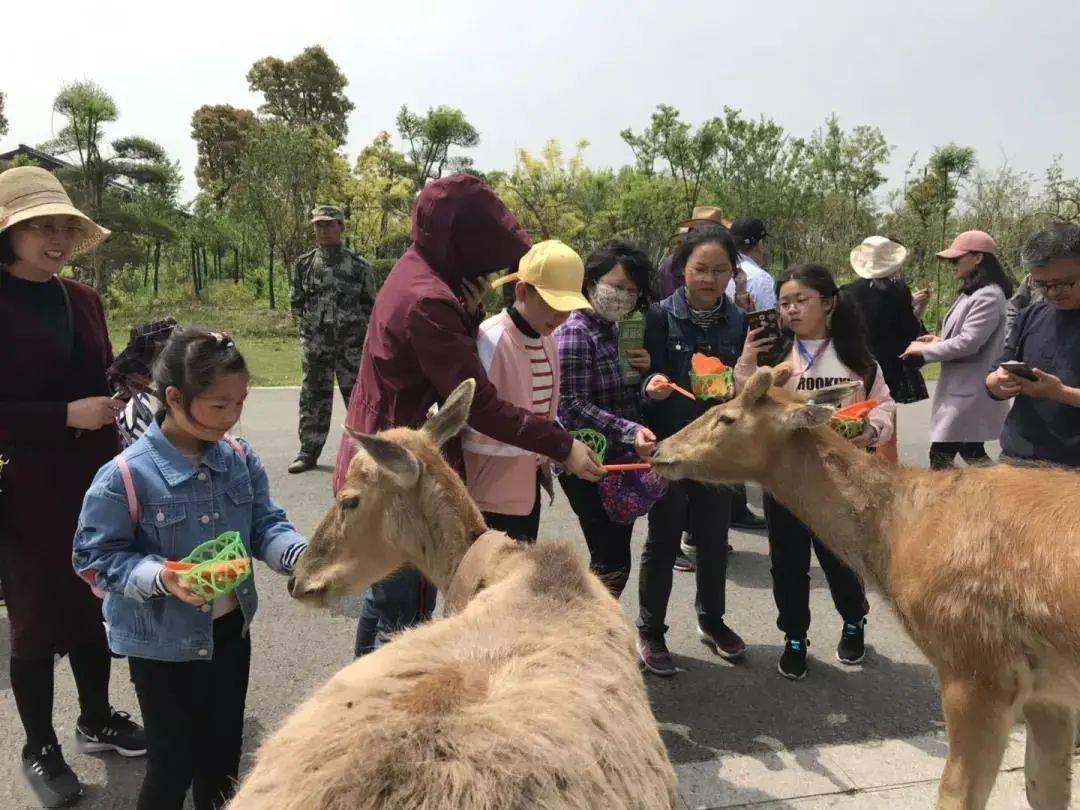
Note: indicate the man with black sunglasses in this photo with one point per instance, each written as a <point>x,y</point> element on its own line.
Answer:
<point>1044,423</point>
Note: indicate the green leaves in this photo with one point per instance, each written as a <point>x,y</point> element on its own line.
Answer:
<point>429,138</point>
<point>3,127</point>
<point>307,91</point>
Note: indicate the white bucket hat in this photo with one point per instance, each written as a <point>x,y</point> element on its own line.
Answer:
<point>28,192</point>
<point>877,257</point>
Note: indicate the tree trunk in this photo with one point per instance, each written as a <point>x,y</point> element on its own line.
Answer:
<point>195,268</point>
<point>236,265</point>
<point>205,266</point>
<point>273,302</point>
<point>157,264</point>
<point>146,269</point>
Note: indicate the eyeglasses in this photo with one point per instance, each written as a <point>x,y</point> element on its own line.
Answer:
<point>796,303</point>
<point>1054,287</point>
<point>52,229</point>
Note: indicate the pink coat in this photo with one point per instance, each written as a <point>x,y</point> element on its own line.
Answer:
<point>502,478</point>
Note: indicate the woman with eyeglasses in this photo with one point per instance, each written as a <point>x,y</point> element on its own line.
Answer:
<point>57,427</point>
<point>824,342</point>
<point>962,416</point>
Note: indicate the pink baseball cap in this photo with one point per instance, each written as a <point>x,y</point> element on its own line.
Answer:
<point>969,242</point>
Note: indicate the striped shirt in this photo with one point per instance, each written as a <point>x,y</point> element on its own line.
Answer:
<point>542,376</point>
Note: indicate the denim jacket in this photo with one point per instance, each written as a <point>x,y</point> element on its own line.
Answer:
<point>671,339</point>
<point>180,507</point>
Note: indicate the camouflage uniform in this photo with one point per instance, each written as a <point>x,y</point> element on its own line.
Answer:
<point>332,295</point>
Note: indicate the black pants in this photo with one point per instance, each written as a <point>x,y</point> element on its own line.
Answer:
<point>523,528</point>
<point>193,712</point>
<point>709,519</point>
<point>789,552</point>
<point>608,542</point>
<point>943,453</point>
<point>32,684</point>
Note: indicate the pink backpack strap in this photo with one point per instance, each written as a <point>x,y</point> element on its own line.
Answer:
<point>129,487</point>
<point>235,445</point>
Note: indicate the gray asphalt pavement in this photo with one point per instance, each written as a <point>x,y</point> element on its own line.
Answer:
<point>739,735</point>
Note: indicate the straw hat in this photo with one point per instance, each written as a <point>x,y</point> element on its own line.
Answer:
<point>705,215</point>
<point>877,257</point>
<point>29,192</point>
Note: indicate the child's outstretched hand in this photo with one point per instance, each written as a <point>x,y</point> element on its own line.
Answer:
<point>178,588</point>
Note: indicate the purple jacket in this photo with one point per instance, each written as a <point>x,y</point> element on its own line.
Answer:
<point>671,277</point>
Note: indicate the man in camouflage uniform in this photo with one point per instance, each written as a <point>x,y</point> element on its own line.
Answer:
<point>332,295</point>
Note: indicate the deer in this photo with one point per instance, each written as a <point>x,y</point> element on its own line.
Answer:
<point>982,566</point>
<point>525,694</point>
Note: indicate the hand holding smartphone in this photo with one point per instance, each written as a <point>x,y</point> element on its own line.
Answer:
<point>1018,369</point>
<point>767,319</point>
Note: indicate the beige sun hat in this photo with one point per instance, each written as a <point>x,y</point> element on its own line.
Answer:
<point>877,257</point>
<point>28,192</point>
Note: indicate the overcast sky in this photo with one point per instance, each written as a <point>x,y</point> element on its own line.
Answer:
<point>1003,77</point>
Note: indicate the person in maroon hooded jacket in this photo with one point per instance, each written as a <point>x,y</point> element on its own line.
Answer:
<point>421,344</point>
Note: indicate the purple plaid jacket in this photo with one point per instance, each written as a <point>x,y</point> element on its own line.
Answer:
<point>592,393</point>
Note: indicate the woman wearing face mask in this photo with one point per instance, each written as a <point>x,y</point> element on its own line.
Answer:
<point>962,416</point>
<point>697,318</point>
<point>593,395</point>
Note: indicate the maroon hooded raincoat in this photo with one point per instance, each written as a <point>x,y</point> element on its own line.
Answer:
<point>421,343</point>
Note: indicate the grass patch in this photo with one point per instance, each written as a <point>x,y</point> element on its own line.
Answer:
<point>267,338</point>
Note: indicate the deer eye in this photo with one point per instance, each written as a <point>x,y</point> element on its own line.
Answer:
<point>724,419</point>
<point>351,502</point>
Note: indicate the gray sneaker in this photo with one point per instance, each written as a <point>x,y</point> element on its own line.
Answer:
<point>50,779</point>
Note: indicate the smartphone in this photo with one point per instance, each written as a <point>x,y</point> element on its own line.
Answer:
<point>1018,369</point>
<point>767,319</point>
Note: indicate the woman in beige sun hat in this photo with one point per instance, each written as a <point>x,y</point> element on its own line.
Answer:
<point>57,428</point>
<point>892,319</point>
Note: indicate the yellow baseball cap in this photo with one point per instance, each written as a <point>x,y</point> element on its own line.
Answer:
<point>556,272</point>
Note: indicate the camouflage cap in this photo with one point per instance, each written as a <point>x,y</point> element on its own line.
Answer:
<point>327,213</point>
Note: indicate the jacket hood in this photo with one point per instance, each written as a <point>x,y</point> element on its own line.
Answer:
<point>464,231</point>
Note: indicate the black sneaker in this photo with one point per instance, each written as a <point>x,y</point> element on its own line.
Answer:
<point>654,656</point>
<point>793,662</point>
<point>748,521</point>
<point>119,734</point>
<point>49,778</point>
<point>852,647</point>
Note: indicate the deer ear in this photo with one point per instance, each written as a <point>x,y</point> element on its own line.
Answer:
<point>782,373</point>
<point>834,394</point>
<point>805,417</point>
<point>394,461</point>
<point>758,385</point>
<point>453,414</point>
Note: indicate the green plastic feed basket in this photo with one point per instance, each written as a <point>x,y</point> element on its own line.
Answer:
<point>592,439</point>
<point>713,387</point>
<point>848,428</point>
<point>212,575</point>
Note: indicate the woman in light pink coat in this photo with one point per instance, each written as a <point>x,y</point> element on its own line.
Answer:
<point>963,415</point>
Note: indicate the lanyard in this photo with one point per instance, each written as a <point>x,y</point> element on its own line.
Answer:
<point>809,360</point>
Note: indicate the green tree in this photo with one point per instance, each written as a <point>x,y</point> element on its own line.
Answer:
<point>106,178</point>
<point>3,118</point>
<point>221,133</point>
<point>282,172</point>
<point>1062,196</point>
<point>689,154</point>
<point>306,91</point>
<point>429,138</point>
<point>543,192</point>
<point>380,194</point>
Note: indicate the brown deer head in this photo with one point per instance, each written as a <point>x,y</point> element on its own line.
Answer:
<point>401,504</point>
<point>741,439</point>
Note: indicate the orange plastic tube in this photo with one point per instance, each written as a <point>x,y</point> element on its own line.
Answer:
<point>611,468</point>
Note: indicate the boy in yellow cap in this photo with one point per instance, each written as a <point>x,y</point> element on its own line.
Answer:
<point>520,356</point>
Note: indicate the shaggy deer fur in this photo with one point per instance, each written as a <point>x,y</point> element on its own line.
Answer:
<point>982,566</point>
<point>528,695</point>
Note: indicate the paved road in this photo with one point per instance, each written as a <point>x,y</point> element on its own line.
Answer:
<point>739,735</point>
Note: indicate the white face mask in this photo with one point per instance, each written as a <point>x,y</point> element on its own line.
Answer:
<point>611,303</point>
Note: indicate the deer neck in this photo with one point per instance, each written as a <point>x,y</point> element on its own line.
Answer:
<point>449,522</point>
<point>842,494</point>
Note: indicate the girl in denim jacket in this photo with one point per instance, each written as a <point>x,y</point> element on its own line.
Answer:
<point>191,482</point>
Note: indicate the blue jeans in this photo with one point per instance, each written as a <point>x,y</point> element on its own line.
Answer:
<point>401,600</point>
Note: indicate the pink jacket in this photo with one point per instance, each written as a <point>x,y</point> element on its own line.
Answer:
<point>502,478</point>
